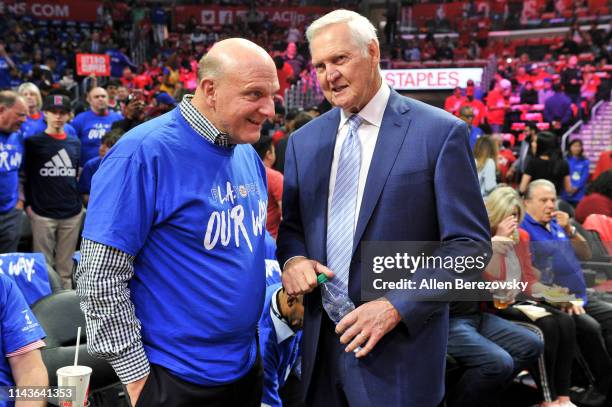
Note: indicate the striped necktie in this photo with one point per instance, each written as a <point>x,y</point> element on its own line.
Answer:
<point>341,224</point>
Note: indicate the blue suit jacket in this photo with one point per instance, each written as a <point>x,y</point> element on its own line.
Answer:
<point>421,186</point>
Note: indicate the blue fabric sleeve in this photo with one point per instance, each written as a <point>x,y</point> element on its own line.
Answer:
<point>19,326</point>
<point>122,204</point>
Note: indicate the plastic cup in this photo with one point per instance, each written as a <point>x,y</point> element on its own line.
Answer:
<point>76,377</point>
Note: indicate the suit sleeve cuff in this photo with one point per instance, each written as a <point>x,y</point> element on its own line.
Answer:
<point>132,365</point>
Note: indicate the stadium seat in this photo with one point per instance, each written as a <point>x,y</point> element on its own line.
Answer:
<point>60,315</point>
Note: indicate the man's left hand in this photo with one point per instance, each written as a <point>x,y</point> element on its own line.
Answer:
<point>366,325</point>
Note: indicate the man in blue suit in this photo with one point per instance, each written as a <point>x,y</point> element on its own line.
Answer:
<point>377,167</point>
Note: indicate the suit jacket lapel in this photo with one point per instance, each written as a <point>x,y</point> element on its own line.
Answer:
<point>391,135</point>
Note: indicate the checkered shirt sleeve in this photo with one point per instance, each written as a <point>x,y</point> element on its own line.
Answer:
<point>113,331</point>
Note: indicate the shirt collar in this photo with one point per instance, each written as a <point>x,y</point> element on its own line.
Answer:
<point>374,110</point>
<point>201,124</point>
<point>283,330</point>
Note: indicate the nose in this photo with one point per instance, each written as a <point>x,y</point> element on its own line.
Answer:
<point>267,108</point>
<point>333,75</point>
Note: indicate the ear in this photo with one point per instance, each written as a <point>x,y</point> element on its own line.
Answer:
<point>209,90</point>
<point>374,52</point>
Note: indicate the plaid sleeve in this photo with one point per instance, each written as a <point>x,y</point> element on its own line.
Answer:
<point>113,331</point>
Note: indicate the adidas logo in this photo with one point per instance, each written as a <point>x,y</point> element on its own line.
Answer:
<point>59,165</point>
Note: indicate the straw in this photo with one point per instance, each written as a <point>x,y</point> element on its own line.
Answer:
<point>76,351</point>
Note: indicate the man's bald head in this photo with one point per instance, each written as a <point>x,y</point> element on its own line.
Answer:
<point>236,88</point>
<point>231,55</point>
<point>98,100</point>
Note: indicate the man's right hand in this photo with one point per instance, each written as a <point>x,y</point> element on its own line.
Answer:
<point>134,389</point>
<point>300,275</point>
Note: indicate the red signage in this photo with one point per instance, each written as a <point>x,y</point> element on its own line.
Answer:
<point>97,64</point>
<point>280,16</point>
<point>73,10</point>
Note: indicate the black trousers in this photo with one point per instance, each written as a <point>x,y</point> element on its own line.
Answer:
<point>162,389</point>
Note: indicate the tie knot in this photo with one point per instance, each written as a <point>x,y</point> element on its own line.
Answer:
<point>354,122</point>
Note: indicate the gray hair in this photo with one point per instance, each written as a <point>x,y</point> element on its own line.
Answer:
<point>8,98</point>
<point>362,30</point>
<point>210,66</point>
<point>31,87</point>
<point>539,183</point>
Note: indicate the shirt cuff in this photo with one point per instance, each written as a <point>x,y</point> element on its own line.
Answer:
<point>291,258</point>
<point>132,365</point>
<point>28,348</point>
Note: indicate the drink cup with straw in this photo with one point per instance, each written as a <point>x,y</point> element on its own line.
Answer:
<point>75,377</point>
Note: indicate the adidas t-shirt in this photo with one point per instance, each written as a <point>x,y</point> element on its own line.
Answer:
<point>11,156</point>
<point>194,215</point>
<point>51,167</point>
<point>90,128</point>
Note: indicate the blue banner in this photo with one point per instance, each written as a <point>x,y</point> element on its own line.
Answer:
<point>29,270</point>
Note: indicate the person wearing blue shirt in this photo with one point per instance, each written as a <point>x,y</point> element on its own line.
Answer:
<point>466,113</point>
<point>21,338</point>
<point>556,248</point>
<point>579,173</point>
<point>280,332</point>
<point>172,270</point>
<point>91,166</point>
<point>6,64</point>
<point>13,113</point>
<point>92,124</point>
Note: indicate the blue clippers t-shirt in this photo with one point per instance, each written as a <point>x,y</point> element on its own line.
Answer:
<point>11,156</point>
<point>552,249</point>
<point>193,214</point>
<point>89,169</point>
<point>18,328</point>
<point>90,128</point>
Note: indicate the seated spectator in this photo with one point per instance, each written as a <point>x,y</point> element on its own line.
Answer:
<point>529,96</point>
<point>490,349</point>
<point>91,166</point>
<point>547,163</point>
<point>556,247</point>
<point>265,150</point>
<point>598,198</point>
<point>112,88</point>
<point>578,171</point>
<point>52,198</point>
<point>280,334</point>
<point>466,113</point>
<point>485,153</point>
<point>21,338</point>
<point>512,261</point>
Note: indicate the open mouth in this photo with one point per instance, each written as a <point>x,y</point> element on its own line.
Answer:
<point>338,89</point>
